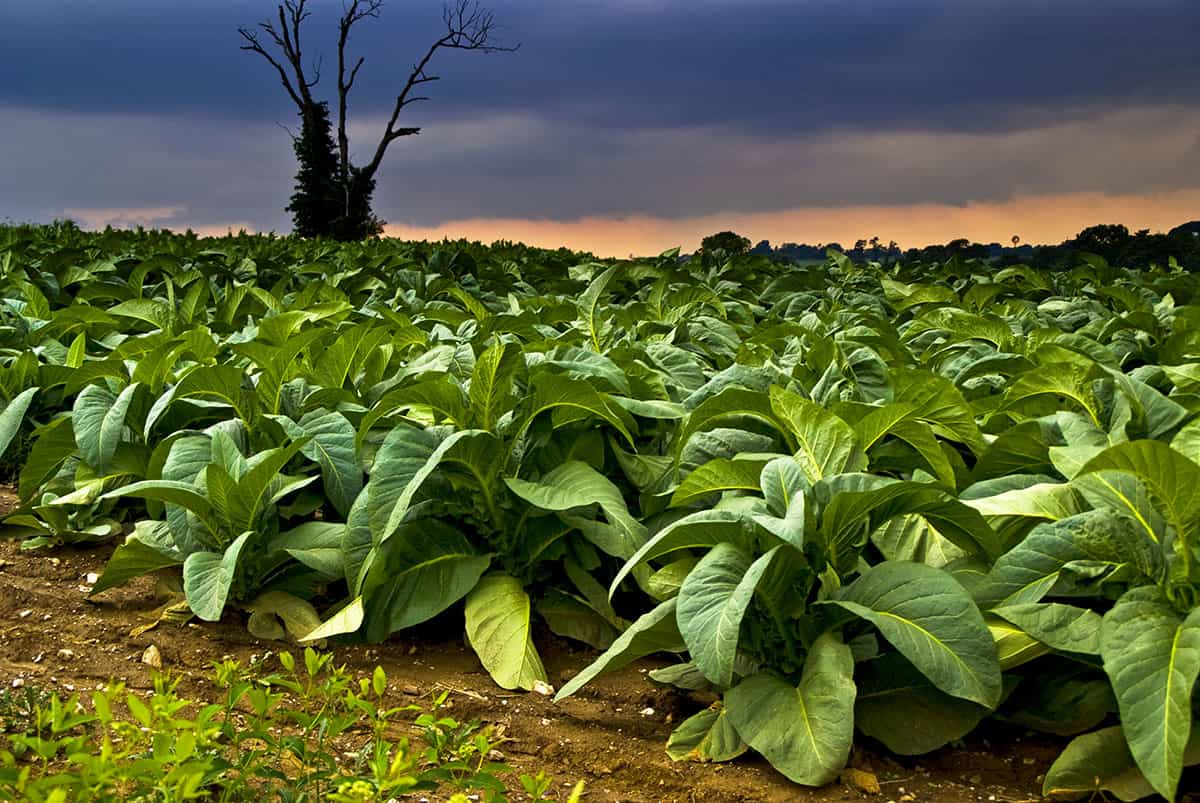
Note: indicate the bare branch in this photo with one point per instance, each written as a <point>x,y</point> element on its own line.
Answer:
<point>289,131</point>
<point>316,69</point>
<point>354,73</point>
<point>352,13</point>
<point>255,46</point>
<point>469,26</point>
<point>286,37</point>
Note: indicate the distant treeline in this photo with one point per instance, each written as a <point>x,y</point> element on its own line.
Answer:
<point>1114,242</point>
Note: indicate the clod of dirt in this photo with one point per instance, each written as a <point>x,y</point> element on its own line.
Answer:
<point>152,657</point>
<point>861,780</point>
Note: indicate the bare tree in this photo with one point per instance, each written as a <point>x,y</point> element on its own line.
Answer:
<point>468,26</point>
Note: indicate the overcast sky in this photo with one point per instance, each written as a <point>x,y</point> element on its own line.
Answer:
<point>629,125</point>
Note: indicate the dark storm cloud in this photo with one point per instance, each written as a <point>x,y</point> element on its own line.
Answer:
<point>760,65</point>
<point>146,110</point>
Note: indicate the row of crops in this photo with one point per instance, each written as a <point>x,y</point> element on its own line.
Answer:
<point>892,503</point>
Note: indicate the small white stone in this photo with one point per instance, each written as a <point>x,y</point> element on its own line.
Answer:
<point>152,657</point>
<point>91,578</point>
<point>647,711</point>
<point>543,688</point>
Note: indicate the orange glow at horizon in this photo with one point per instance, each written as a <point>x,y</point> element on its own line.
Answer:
<point>1037,219</point>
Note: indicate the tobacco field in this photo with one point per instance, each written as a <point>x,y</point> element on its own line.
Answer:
<point>852,500</point>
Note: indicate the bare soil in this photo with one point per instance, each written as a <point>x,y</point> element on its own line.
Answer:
<point>611,734</point>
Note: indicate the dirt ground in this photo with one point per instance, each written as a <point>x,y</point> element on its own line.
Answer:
<point>611,735</point>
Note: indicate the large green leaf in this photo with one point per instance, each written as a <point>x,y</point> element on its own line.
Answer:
<point>718,442</point>
<point>1101,762</point>
<point>825,444</point>
<point>54,443</point>
<point>332,445</point>
<point>781,480</point>
<point>177,493</point>
<point>589,307</point>
<point>706,736</point>
<point>13,416</point>
<point>316,544</point>
<point>716,476</point>
<point>1158,414</point>
<point>1071,380</point>
<point>937,402</point>
<point>405,460</point>
<point>1127,495</point>
<point>1173,481</point>
<point>341,359</point>
<point>900,707</point>
<point>849,509</point>
<point>580,363</point>
<point>913,537</point>
<point>1062,627</point>
<point>357,544</point>
<point>805,731</point>
<point>732,403</point>
<point>933,622</point>
<point>1152,656</point>
<point>409,456</point>
<point>155,313</point>
<point>99,418</point>
<point>186,460</point>
<point>653,632</point>
<point>704,528</point>
<point>1026,573</point>
<point>442,397</point>
<point>575,484</point>
<point>137,556</point>
<point>1047,501</point>
<point>711,605</point>
<point>498,627</point>
<point>577,397</point>
<point>220,383</point>
<point>207,577</point>
<point>424,568</point>
<point>255,489</point>
<point>491,383</point>
<point>919,436</point>
<point>347,619</point>
<point>574,619</point>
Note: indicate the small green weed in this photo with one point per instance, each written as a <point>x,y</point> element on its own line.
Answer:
<point>307,732</point>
